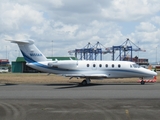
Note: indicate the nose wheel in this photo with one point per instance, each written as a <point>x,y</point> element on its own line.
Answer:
<point>142,82</point>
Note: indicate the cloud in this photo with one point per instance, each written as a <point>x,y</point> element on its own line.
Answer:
<point>18,17</point>
<point>156,19</point>
<point>72,24</point>
<point>129,10</point>
<point>146,26</point>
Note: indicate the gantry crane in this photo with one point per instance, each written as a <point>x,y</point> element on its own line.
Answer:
<point>125,50</point>
<point>90,52</point>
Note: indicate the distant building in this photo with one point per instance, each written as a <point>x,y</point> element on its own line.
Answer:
<point>139,61</point>
<point>4,65</point>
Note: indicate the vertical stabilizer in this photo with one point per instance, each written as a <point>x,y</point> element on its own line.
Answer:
<point>30,52</point>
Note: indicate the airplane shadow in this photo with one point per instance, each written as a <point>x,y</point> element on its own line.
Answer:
<point>7,84</point>
<point>76,85</point>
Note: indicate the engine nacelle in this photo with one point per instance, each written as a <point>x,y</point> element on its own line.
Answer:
<point>52,64</point>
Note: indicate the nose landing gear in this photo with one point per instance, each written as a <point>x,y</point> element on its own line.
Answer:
<point>142,81</point>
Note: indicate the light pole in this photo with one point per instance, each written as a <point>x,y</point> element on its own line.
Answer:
<point>6,52</point>
<point>156,55</point>
<point>16,52</point>
<point>138,52</point>
<point>52,48</point>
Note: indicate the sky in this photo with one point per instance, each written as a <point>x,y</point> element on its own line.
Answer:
<point>58,26</point>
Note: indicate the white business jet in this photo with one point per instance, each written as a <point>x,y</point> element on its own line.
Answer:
<point>81,68</point>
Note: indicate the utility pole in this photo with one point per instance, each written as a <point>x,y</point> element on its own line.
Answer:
<point>156,56</point>
<point>6,52</point>
<point>52,48</point>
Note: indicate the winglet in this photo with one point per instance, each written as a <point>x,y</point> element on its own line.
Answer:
<point>71,58</point>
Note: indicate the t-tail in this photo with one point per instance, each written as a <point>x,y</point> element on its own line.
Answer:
<point>30,52</point>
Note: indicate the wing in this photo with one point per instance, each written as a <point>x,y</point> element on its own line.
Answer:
<point>86,75</point>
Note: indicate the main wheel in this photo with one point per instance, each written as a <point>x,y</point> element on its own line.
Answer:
<point>84,82</point>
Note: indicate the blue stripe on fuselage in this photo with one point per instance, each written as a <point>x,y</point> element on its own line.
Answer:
<point>27,58</point>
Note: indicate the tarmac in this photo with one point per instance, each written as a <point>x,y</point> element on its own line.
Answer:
<point>111,101</point>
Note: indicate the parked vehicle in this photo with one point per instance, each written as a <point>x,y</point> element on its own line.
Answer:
<point>3,70</point>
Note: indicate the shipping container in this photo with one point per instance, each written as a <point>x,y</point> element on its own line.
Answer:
<point>17,67</point>
<point>4,61</point>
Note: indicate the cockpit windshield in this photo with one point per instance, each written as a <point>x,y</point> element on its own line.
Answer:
<point>135,66</point>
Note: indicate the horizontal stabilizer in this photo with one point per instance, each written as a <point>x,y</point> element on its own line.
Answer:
<point>22,41</point>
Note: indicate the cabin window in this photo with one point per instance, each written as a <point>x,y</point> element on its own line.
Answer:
<point>135,65</point>
<point>94,65</point>
<point>106,65</point>
<point>130,66</point>
<point>119,65</point>
<point>87,65</point>
<point>100,65</point>
<point>112,65</point>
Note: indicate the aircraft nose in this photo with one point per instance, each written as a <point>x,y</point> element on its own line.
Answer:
<point>154,73</point>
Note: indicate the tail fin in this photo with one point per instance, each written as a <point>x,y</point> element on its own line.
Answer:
<point>30,52</point>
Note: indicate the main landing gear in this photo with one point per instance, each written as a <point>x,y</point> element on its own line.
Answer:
<point>142,81</point>
<point>86,81</point>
